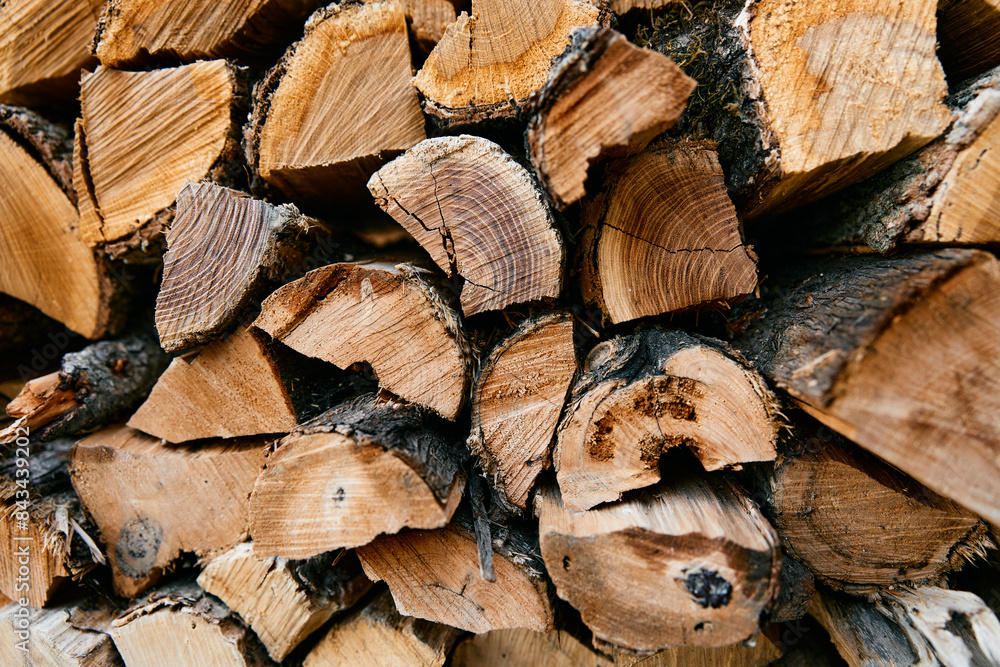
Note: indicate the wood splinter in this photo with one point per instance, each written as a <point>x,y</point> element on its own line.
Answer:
<point>640,395</point>
<point>480,215</point>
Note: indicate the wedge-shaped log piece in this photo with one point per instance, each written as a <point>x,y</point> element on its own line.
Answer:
<point>283,601</point>
<point>924,626</point>
<point>43,259</point>
<point>517,400</point>
<point>72,634</point>
<point>435,575</point>
<point>491,61</point>
<point>942,194</point>
<point>376,635</point>
<point>142,136</point>
<point>223,247</point>
<point>180,625</point>
<point>969,36</point>
<point>364,312</point>
<point>152,500</point>
<point>102,382</point>
<point>855,521</point>
<point>480,215</point>
<point>899,355</point>
<point>45,539</point>
<point>136,33</point>
<point>808,98</point>
<point>640,395</point>
<point>44,46</point>
<point>336,104</point>
<point>357,471</point>
<point>760,653</point>
<point>663,236</point>
<point>227,389</point>
<point>692,563</point>
<point>519,646</point>
<point>606,97</point>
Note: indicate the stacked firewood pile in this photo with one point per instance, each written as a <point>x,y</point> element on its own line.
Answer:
<point>532,332</point>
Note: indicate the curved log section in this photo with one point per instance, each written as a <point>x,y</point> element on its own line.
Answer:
<point>136,33</point>
<point>663,236</point>
<point>640,395</point>
<point>336,104</point>
<point>43,259</point>
<point>222,249</point>
<point>492,60</point>
<point>358,471</point>
<point>435,575</point>
<point>353,313</point>
<point>835,329</point>
<point>692,563</point>
<point>858,523</point>
<point>604,98</point>
<point>228,389</point>
<point>480,215</point>
<point>141,137</point>
<point>517,400</point>
<point>139,490</point>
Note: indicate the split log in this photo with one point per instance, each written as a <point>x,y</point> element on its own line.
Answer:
<point>44,46</point>
<point>428,20</point>
<point>277,598</point>
<point>517,400</point>
<point>208,280</point>
<point>840,335</point>
<point>312,135</point>
<point>519,646</point>
<point>663,236</point>
<point>489,63</point>
<point>376,635</point>
<point>969,36</point>
<point>760,653</point>
<point>140,492</point>
<point>435,575</point>
<point>941,194</point>
<point>228,389</point>
<point>926,626</point>
<point>604,98</point>
<point>142,136</point>
<point>361,312</point>
<point>858,523</point>
<point>692,563</point>
<point>73,634</point>
<point>360,470</point>
<point>181,625</point>
<point>641,395</point>
<point>133,34</point>
<point>93,387</point>
<point>479,215</point>
<point>45,261</point>
<point>806,99</point>
<point>43,530</point>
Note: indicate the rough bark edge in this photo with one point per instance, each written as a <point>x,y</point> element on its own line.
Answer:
<point>807,289</point>
<point>51,145</point>
<point>404,430</point>
<point>711,43</point>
